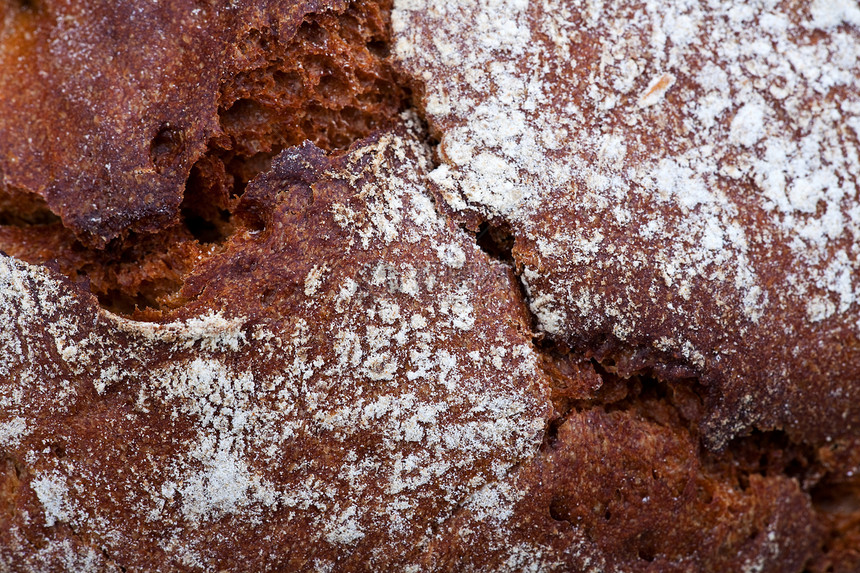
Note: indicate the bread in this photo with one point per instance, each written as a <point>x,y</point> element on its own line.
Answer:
<point>489,286</point>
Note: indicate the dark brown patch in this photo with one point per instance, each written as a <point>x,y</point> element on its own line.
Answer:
<point>326,82</point>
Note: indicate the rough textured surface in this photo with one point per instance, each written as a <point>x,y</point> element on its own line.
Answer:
<point>681,181</point>
<point>382,409</point>
<point>635,489</point>
<point>106,106</point>
<point>359,370</point>
<point>608,323</point>
<point>283,80</point>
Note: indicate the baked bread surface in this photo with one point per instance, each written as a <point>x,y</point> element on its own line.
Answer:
<point>488,286</point>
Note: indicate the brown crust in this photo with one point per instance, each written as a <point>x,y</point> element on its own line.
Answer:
<point>303,360</point>
<point>617,492</point>
<point>284,353</point>
<point>621,485</point>
<point>665,192</point>
<point>118,161</point>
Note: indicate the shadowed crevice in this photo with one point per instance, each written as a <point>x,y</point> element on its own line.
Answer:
<point>331,84</point>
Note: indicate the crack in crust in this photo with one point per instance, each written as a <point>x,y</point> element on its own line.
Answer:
<point>291,166</point>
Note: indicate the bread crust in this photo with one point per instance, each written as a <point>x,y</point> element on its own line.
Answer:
<point>682,198</point>
<point>107,106</point>
<point>590,304</point>
<point>335,397</point>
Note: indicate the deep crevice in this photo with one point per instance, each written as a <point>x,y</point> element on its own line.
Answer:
<point>331,84</point>
<point>497,241</point>
<point>645,397</point>
<point>579,386</point>
<point>765,453</point>
<point>18,218</point>
<point>22,209</point>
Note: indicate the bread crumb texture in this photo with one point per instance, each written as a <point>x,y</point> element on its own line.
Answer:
<point>246,323</point>
<point>122,99</point>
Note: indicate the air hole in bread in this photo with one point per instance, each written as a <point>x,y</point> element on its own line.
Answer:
<point>647,553</point>
<point>29,5</point>
<point>556,511</point>
<point>166,147</point>
<point>330,84</point>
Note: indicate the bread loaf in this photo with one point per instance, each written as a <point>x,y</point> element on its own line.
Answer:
<point>430,286</point>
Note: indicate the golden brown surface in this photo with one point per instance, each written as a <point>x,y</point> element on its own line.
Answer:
<point>603,317</point>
